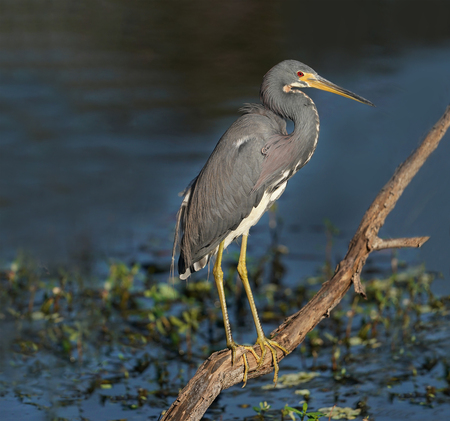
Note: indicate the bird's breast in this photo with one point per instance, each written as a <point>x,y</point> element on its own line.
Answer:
<point>257,212</point>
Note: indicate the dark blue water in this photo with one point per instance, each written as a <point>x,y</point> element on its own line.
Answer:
<point>108,109</point>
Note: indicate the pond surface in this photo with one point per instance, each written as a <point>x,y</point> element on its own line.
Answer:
<point>108,109</point>
<point>122,348</point>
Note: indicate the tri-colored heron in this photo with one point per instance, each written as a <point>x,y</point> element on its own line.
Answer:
<point>247,171</point>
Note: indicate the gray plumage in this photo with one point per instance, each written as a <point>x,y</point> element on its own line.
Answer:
<point>250,165</point>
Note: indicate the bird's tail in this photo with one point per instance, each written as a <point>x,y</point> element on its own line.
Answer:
<point>176,239</point>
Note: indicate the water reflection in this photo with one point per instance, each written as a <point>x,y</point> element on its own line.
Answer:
<point>110,108</point>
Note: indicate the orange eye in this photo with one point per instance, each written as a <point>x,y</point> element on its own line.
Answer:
<point>300,74</point>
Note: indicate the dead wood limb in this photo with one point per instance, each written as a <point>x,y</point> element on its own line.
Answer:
<point>217,374</point>
<point>379,244</point>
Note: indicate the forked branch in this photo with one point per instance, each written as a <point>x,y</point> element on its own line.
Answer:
<point>217,374</point>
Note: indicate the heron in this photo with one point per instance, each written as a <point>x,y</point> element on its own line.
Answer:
<point>245,174</point>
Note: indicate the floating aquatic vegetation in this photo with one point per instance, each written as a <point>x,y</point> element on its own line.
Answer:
<point>132,340</point>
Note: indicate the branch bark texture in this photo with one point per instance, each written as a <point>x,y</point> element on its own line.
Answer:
<point>217,374</point>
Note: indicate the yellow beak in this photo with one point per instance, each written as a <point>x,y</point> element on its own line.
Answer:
<point>318,82</point>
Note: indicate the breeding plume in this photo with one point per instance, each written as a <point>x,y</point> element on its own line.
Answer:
<point>248,171</point>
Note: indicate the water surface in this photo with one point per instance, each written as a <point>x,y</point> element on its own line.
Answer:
<point>108,109</point>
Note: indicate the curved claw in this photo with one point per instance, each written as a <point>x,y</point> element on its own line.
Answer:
<point>263,344</point>
<point>268,343</point>
<point>233,346</point>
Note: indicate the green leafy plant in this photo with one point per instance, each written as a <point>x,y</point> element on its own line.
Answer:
<point>263,408</point>
<point>302,414</point>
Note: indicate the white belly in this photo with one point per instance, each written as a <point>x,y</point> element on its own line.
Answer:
<point>255,215</point>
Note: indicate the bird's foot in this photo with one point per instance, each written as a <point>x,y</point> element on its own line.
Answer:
<point>265,343</point>
<point>233,347</point>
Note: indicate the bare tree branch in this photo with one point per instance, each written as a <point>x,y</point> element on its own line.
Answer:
<point>217,374</point>
<point>379,244</point>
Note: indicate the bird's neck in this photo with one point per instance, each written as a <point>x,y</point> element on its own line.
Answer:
<point>303,113</point>
<point>297,107</point>
<point>292,105</point>
<point>300,108</point>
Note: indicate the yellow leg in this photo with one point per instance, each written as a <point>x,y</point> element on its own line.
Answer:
<point>262,341</point>
<point>233,346</point>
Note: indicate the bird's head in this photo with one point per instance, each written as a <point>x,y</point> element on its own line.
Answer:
<point>290,76</point>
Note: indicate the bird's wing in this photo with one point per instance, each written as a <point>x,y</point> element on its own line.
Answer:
<point>222,195</point>
<point>282,160</point>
